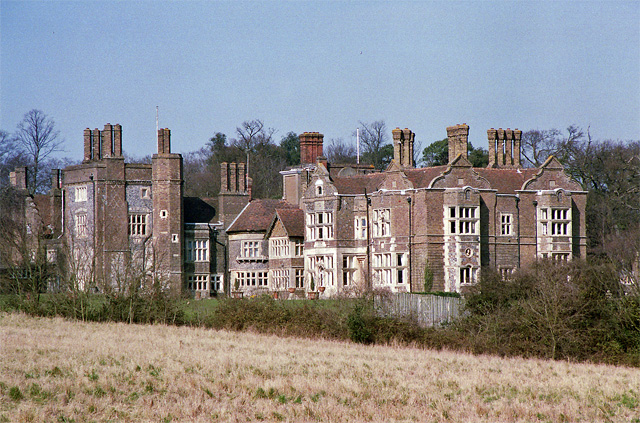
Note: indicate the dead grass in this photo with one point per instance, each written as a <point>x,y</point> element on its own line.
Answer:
<point>58,370</point>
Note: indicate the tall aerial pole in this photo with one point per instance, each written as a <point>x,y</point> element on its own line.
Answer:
<point>157,124</point>
<point>358,145</point>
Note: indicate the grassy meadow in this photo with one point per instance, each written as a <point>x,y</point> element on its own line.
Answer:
<point>57,370</point>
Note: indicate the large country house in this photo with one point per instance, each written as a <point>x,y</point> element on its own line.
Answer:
<point>338,229</point>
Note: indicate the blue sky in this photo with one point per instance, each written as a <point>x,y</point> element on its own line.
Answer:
<point>320,66</point>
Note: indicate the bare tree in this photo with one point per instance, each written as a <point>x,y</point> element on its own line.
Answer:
<point>10,156</point>
<point>37,137</point>
<point>538,145</point>
<point>251,134</point>
<point>201,176</point>
<point>338,151</point>
<point>374,139</point>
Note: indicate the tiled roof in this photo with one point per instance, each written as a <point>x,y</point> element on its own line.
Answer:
<point>505,181</point>
<point>199,210</point>
<point>359,183</point>
<point>422,177</point>
<point>257,215</point>
<point>293,221</point>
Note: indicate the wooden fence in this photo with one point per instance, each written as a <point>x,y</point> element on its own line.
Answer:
<point>428,310</point>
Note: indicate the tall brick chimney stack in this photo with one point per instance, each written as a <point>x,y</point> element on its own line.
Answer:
<point>233,174</point>
<point>508,155</point>
<point>517,135</point>
<point>310,147</point>
<point>242,178</point>
<point>403,147</point>
<point>224,178</point>
<point>88,146</point>
<point>96,143</point>
<point>491,135</point>
<point>107,141</point>
<point>458,140</point>
<point>409,138</point>
<point>117,140</point>
<point>164,141</point>
<point>504,148</point>
<point>500,147</point>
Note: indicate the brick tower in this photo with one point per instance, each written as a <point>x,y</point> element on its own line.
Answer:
<point>168,216</point>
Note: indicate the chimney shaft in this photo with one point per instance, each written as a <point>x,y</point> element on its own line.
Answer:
<point>241,178</point>
<point>517,134</point>
<point>88,145</point>
<point>500,147</point>
<point>508,153</point>
<point>117,140</point>
<point>233,173</point>
<point>491,135</point>
<point>310,147</point>
<point>458,136</point>
<point>107,141</point>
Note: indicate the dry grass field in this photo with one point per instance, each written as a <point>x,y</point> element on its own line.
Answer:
<point>55,370</point>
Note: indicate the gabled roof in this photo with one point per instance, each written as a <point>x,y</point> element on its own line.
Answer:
<point>292,220</point>
<point>257,215</point>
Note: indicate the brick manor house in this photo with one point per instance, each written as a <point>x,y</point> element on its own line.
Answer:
<point>338,228</point>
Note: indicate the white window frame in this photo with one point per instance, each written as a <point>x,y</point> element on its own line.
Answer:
<point>383,268</point>
<point>80,194</point>
<point>560,222</point>
<point>251,249</point>
<point>506,224</point>
<point>349,268</point>
<point>202,250</point>
<point>320,226</point>
<point>360,227</point>
<point>322,269</point>
<point>402,272</point>
<point>299,278</point>
<point>463,220</point>
<point>199,282</point>
<point>216,283</point>
<point>279,247</point>
<point>81,225</point>
<point>381,223</point>
<point>468,275</point>
<point>197,250</point>
<point>251,278</point>
<point>279,278</point>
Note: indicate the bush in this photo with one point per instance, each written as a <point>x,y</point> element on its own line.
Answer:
<point>309,319</point>
<point>572,311</point>
<point>360,325</point>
